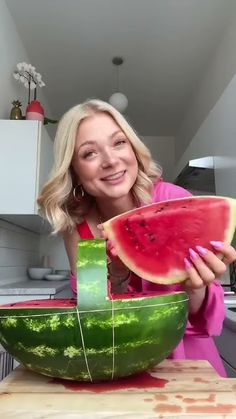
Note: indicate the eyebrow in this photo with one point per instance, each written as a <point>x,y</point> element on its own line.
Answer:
<point>92,142</point>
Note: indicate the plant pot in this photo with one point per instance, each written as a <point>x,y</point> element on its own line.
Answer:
<point>35,111</point>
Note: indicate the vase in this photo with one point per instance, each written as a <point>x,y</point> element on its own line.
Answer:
<point>16,110</point>
<point>35,111</point>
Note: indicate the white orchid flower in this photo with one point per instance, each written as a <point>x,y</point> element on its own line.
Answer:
<point>19,66</point>
<point>29,77</point>
<point>38,76</point>
<point>32,85</point>
<point>25,66</point>
<point>16,76</point>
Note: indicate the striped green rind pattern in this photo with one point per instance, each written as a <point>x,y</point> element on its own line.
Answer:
<point>99,339</point>
<point>131,337</point>
<point>92,274</point>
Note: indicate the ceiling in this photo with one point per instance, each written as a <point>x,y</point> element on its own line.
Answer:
<point>166,45</point>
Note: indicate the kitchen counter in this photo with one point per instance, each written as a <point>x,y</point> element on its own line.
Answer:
<point>34,290</point>
<point>32,287</point>
<point>173,389</point>
<point>226,341</point>
<point>230,311</point>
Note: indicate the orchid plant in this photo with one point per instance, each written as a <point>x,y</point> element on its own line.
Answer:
<point>27,75</point>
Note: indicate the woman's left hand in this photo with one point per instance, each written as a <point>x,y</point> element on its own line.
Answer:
<point>203,266</point>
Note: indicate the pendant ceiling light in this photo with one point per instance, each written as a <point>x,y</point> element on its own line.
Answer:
<point>118,99</point>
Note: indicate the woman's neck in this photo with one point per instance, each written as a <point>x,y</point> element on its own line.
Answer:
<point>110,208</point>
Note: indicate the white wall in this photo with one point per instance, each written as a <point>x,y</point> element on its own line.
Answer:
<point>218,74</point>
<point>217,137</point>
<point>53,247</point>
<point>18,250</point>
<point>163,152</point>
<point>12,51</point>
<point>18,247</point>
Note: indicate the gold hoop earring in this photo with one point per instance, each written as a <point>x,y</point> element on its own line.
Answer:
<point>78,196</point>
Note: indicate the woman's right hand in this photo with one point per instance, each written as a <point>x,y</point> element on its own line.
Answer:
<point>113,258</point>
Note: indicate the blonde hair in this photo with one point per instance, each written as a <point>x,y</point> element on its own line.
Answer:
<point>56,201</point>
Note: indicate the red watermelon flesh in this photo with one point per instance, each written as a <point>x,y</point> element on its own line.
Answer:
<point>154,240</point>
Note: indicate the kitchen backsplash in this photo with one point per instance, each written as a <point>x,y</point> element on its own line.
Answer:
<point>19,248</point>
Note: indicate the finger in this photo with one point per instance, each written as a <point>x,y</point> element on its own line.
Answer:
<point>213,262</point>
<point>104,235</point>
<point>228,251</point>
<point>102,231</point>
<point>206,274</point>
<point>110,248</point>
<point>194,280</point>
<point>113,252</point>
<point>109,245</point>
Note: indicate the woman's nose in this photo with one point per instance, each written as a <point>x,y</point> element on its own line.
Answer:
<point>108,158</point>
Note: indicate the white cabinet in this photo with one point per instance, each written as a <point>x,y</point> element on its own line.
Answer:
<point>26,158</point>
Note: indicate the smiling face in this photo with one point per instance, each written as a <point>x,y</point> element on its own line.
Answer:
<point>104,160</point>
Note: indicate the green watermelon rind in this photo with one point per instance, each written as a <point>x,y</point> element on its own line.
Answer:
<point>99,338</point>
<point>177,276</point>
<point>83,345</point>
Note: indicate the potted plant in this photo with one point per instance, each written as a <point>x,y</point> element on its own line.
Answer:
<point>31,79</point>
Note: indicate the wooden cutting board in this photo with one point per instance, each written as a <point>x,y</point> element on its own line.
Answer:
<point>173,389</point>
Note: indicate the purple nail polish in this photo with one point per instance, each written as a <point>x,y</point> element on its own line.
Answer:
<point>187,263</point>
<point>193,254</point>
<point>217,244</point>
<point>201,250</point>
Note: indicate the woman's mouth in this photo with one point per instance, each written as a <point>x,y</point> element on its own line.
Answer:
<point>115,177</point>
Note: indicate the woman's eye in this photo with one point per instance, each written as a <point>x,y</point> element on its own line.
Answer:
<point>120,142</point>
<point>89,154</point>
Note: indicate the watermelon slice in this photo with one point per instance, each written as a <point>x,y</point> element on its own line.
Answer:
<point>154,240</point>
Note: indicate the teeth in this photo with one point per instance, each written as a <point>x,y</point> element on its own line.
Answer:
<point>113,177</point>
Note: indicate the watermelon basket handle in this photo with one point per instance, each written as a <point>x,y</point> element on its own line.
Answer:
<point>92,289</point>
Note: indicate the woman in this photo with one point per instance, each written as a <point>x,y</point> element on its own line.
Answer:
<point>102,169</point>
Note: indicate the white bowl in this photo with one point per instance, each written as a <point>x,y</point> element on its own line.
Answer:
<point>55,277</point>
<point>64,272</point>
<point>39,273</point>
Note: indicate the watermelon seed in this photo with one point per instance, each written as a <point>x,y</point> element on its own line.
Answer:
<point>127,227</point>
<point>152,237</point>
<point>138,245</point>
